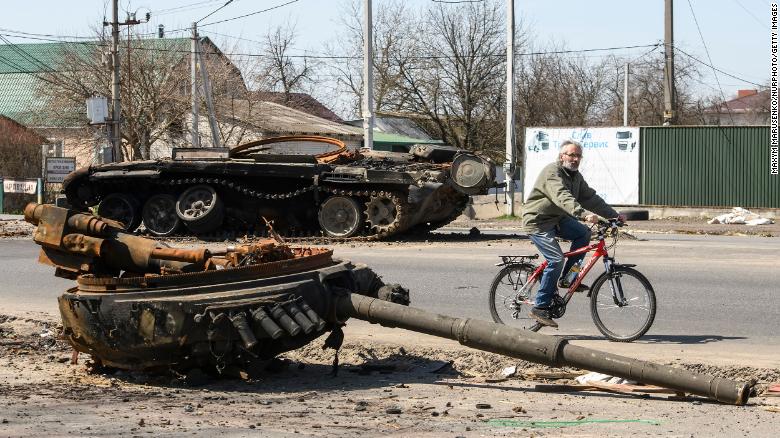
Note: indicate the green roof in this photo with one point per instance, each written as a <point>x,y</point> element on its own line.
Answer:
<point>22,66</point>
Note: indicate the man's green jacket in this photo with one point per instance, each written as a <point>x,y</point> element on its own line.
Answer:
<point>558,193</point>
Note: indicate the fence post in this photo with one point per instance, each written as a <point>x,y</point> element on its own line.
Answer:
<point>40,190</point>
<point>2,194</point>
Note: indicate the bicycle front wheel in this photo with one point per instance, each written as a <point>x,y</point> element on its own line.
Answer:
<point>622,304</point>
<point>512,297</point>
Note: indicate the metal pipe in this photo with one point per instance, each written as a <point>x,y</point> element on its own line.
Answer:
<point>535,347</point>
<point>197,256</point>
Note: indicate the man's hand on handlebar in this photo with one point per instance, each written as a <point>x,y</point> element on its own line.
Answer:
<point>620,220</point>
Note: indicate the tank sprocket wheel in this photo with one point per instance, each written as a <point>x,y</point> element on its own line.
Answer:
<point>382,212</point>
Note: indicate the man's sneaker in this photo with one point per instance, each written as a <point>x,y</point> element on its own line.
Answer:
<point>580,288</point>
<point>543,316</point>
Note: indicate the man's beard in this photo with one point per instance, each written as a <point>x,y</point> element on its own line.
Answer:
<point>570,166</point>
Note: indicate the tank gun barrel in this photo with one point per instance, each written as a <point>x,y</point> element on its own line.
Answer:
<point>539,348</point>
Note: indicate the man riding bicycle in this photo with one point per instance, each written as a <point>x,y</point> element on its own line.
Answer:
<point>559,199</point>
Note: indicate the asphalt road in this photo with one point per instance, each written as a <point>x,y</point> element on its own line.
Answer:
<point>719,292</point>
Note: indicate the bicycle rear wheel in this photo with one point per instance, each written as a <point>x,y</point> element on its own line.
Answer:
<point>622,320</point>
<point>511,297</point>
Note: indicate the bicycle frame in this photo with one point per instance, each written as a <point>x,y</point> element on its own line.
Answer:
<point>599,250</point>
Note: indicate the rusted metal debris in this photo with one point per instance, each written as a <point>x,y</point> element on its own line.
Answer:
<point>139,305</point>
<point>142,306</point>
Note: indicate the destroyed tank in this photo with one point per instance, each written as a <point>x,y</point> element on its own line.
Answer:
<point>139,305</point>
<point>339,194</point>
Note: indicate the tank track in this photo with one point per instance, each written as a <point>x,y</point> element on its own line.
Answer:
<point>237,187</point>
<point>401,223</point>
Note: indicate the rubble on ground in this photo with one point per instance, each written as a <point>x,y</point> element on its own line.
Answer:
<point>739,215</point>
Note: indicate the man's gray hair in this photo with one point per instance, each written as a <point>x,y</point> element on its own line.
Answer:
<point>563,145</point>
<point>568,143</point>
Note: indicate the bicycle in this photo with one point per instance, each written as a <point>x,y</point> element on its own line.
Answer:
<point>623,312</point>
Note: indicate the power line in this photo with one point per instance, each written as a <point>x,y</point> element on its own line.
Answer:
<point>707,51</point>
<point>347,57</point>
<point>27,56</point>
<point>191,6</point>
<point>250,14</point>
<point>215,11</point>
<point>751,14</point>
<point>47,35</point>
<point>227,19</point>
<point>715,68</point>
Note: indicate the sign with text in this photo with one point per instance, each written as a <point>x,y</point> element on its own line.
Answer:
<point>610,163</point>
<point>29,186</point>
<point>58,167</point>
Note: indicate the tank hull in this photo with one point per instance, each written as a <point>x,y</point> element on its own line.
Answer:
<point>371,195</point>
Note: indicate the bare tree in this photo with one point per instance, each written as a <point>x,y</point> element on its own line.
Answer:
<point>457,75</point>
<point>646,92</point>
<point>557,89</point>
<point>394,46</point>
<point>281,70</point>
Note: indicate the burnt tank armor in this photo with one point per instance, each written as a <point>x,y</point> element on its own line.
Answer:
<point>339,194</point>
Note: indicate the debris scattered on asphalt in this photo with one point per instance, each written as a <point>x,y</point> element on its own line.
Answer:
<point>605,378</point>
<point>551,375</point>
<point>740,215</point>
<point>559,424</point>
<point>394,410</point>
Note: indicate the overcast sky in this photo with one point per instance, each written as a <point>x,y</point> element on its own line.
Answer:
<point>736,32</point>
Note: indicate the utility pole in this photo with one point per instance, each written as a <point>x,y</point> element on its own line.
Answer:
<point>194,79</point>
<point>509,163</point>
<point>204,75</point>
<point>670,104</point>
<point>116,109</point>
<point>625,96</point>
<point>368,76</point>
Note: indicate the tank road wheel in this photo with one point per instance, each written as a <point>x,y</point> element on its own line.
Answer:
<point>160,216</point>
<point>200,208</point>
<point>121,207</point>
<point>382,212</point>
<point>340,216</point>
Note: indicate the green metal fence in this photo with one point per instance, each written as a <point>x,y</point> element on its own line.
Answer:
<point>707,166</point>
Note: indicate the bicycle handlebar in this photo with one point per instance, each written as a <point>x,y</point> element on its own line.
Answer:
<point>613,223</point>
